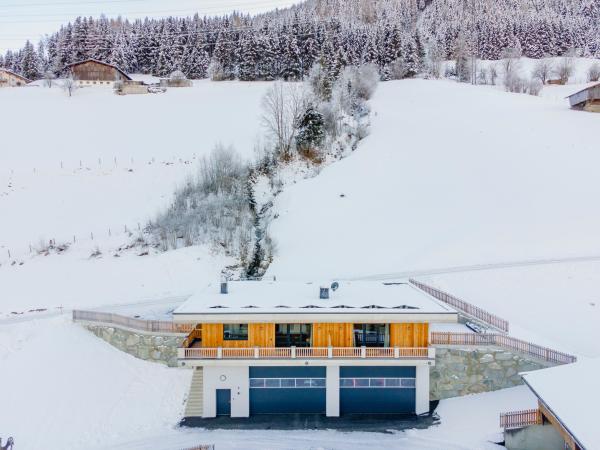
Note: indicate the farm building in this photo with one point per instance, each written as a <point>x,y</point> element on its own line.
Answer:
<point>297,348</point>
<point>565,417</point>
<point>10,79</point>
<point>127,87</point>
<point>93,72</point>
<point>587,99</point>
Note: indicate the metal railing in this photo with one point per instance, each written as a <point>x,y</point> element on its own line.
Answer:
<point>308,353</point>
<point>500,340</point>
<point>520,419</point>
<point>464,307</point>
<point>152,326</point>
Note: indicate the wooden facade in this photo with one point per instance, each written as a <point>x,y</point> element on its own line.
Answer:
<point>92,71</point>
<point>323,335</point>
<point>11,79</point>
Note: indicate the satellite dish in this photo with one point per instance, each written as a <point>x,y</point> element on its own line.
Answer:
<point>335,285</point>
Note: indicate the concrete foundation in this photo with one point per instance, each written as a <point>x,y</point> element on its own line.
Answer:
<point>534,437</point>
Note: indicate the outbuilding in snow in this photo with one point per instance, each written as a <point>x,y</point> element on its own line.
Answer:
<point>587,99</point>
<point>10,79</point>
<point>92,72</point>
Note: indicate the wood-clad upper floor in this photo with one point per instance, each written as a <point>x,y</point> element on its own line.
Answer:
<point>319,334</point>
<point>92,70</point>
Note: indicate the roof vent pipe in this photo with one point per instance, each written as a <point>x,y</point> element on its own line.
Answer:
<point>324,293</point>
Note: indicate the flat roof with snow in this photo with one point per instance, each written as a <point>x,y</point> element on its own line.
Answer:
<point>570,393</point>
<point>351,298</point>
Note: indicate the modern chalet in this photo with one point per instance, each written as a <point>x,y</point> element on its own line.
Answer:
<point>587,99</point>
<point>10,79</point>
<point>268,347</point>
<point>92,72</point>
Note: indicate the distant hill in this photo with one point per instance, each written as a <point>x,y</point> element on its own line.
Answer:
<point>286,43</point>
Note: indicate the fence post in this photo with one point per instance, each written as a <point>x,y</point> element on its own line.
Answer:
<point>396,352</point>
<point>293,350</point>
<point>219,353</point>
<point>363,352</point>
<point>330,352</point>
<point>256,353</point>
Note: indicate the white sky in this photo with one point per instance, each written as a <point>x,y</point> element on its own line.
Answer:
<point>30,19</point>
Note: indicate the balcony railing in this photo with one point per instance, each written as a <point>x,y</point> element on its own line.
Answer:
<point>520,419</point>
<point>308,353</point>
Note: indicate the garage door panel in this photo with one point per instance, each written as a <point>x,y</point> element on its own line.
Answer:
<point>377,390</point>
<point>287,390</point>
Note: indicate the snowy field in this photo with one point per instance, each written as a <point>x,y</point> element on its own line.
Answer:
<point>452,174</point>
<point>539,301</point>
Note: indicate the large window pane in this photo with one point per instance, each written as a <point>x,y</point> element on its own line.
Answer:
<point>302,382</point>
<point>288,382</point>
<point>235,332</point>
<point>257,382</point>
<point>346,382</point>
<point>272,382</point>
<point>377,382</point>
<point>317,382</point>
<point>361,382</point>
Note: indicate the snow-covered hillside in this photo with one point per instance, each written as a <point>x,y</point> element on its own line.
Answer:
<point>451,174</point>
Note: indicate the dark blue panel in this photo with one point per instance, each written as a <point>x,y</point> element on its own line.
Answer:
<point>287,401</point>
<point>377,401</point>
<point>378,371</point>
<point>223,402</point>
<point>287,372</point>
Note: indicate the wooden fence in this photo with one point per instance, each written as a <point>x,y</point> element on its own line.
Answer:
<point>520,419</point>
<point>464,307</point>
<point>500,340</point>
<point>152,326</point>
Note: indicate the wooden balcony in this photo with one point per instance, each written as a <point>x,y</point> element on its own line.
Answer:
<point>307,353</point>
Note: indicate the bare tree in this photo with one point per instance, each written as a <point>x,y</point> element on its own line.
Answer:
<point>594,72</point>
<point>511,65</point>
<point>565,66</point>
<point>543,69</point>
<point>69,85</point>
<point>283,106</point>
<point>435,59</point>
<point>49,78</point>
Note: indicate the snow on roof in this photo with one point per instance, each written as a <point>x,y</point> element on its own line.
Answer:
<point>570,392</point>
<point>294,297</point>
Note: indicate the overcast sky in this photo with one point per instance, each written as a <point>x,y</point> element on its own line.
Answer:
<point>30,19</point>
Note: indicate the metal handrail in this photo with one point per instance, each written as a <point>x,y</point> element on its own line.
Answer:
<point>152,326</point>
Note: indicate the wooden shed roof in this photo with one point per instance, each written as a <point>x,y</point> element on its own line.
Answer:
<point>27,80</point>
<point>77,63</point>
<point>591,92</point>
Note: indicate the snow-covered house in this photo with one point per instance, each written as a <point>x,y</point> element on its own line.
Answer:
<point>262,347</point>
<point>92,72</point>
<point>565,417</point>
<point>10,79</point>
<point>587,99</point>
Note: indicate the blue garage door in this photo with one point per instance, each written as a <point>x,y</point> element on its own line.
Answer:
<point>287,390</point>
<point>377,390</point>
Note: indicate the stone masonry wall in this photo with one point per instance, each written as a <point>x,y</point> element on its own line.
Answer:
<point>160,348</point>
<point>470,370</point>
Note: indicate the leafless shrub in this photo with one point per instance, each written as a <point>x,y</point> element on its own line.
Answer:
<point>543,69</point>
<point>594,72</point>
<point>69,85</point>
<point>535,86</point>
<point>564,68</point>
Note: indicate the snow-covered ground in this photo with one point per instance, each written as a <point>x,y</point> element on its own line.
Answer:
<point>452,174</point>
<point>542,303</point>
<point>58,175</point>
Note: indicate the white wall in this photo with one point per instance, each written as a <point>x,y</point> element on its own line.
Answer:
<point>333,391</point>
<point>422,389</point>
<point>230,377</point>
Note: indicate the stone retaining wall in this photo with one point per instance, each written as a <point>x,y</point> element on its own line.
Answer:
<point>160,348</point>
<point>471,370</point>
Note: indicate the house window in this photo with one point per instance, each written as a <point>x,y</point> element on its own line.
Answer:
<point>369,335</point>
<point>292,334</point>
<point>235,332</point>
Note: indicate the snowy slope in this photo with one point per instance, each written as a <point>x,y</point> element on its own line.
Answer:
<point>63,388</point>
<point>538,301</point>
<point>451,174</point>
<point>58,175</point>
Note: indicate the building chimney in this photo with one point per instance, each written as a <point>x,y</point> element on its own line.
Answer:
<point>224,287</point>
<point>324,293</point>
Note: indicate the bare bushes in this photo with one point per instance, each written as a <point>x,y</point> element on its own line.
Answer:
<point>594,72</point>
<point>212,208</point>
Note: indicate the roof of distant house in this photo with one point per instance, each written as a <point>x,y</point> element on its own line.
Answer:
<point>294,297</point>
<point>591,86</point>
<point>2,69</point>
<point>569,392</point>
<point>99,62</point>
